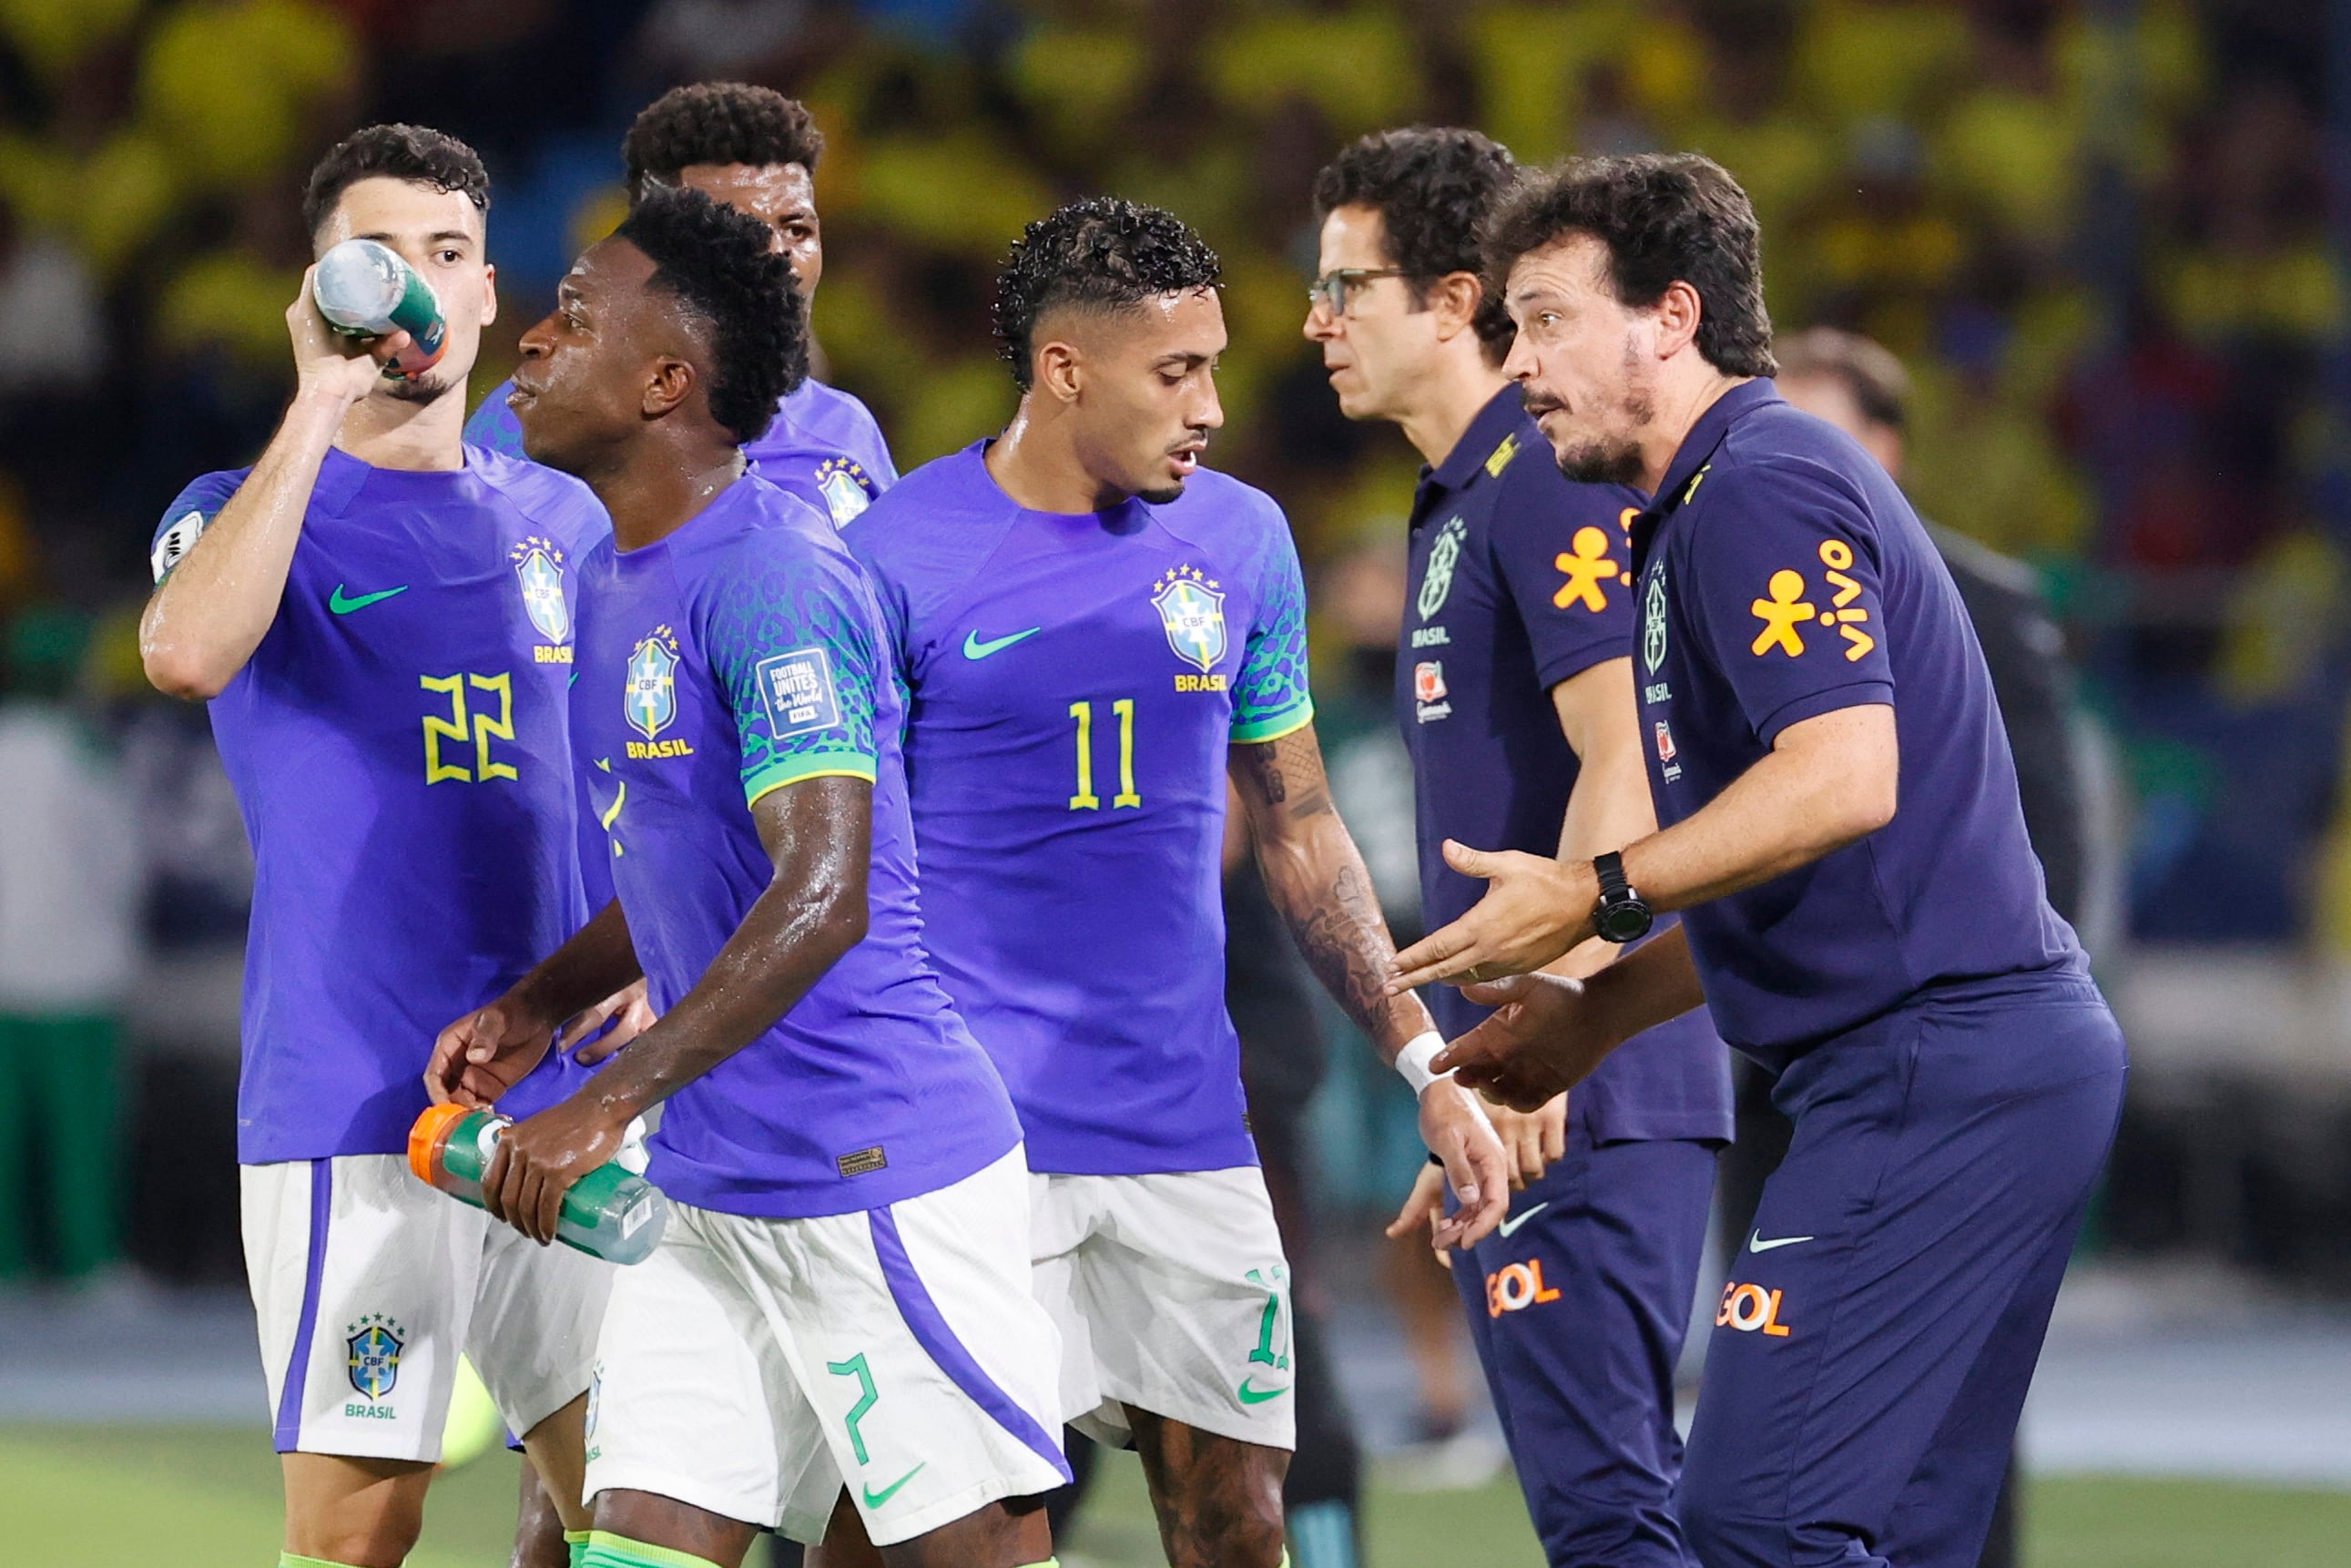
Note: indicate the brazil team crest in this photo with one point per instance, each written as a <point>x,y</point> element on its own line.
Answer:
<point>372,1344</point>
<point>651,691</point>
<point>846,487</point>
<point>1193,612</point>
<point>1653,621</point>
<point>539,566</point>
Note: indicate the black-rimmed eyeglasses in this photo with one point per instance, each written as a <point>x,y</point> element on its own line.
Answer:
<point>1330,290</point>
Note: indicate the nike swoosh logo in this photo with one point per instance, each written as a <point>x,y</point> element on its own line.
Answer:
<point>1252,1395</point>
<point>343,604</point>
<point>1511,1225</point>
<point>972,648</point>
<point>1755,1243</point>
<point>877,1499</point>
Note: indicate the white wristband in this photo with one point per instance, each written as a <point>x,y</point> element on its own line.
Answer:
<point>1413,1058</point>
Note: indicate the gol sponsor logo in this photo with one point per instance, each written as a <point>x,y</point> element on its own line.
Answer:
<point>1515,1287</point>
<point>1750,1308</point>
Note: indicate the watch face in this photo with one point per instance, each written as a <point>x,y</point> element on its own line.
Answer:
<point>1627,922</point>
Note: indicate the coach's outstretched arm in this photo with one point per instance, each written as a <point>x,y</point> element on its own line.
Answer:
<point>818,835</point>
<point>1316,877</point>
<point>208,616</point>
<point>1828,781</point>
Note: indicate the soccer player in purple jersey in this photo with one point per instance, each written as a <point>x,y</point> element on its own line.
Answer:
<point>1097,632</point>
<point>1514,688</point>
<point>382,619</point>
<point>1863,916</point>
<point>752,149</point>
<point>842,1297</point>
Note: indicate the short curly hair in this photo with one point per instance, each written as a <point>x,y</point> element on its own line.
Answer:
<point>1432,188</point>
<point>717,122</point>
<point>414,153</point>
<point>716,261</point>
<point>1103,253</point>
<point>1662,216</point>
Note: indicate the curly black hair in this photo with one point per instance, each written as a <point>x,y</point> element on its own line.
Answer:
<point>718,262</point>
<point>1663,216</point>
<point>416,153</point>
<point>717,122</point>
<point>1103,253</point>
<point>1432,188</point>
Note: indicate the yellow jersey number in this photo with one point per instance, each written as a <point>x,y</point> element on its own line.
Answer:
<point>1085,799</point>
<point>471,723</point>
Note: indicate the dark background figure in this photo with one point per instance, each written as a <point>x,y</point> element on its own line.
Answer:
<point>1860,387</point>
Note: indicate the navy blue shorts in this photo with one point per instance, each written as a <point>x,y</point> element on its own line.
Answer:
<point>1873,1347</point>
<point>1578,1309</point>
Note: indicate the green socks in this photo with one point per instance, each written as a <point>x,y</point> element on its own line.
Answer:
<point>575,1544</point>
<point>606,1549</point>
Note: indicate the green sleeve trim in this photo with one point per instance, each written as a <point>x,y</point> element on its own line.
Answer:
<point>810,765</point>
<point>1288,721</point>
<point>606,1549</point>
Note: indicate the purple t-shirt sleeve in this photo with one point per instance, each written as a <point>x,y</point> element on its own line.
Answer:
<point>1562,554</point>
<point>191,511</point>
<point>1787,562</point>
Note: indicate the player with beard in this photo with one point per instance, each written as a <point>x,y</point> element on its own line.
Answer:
<point>752,149</point>
<point>1863,913</point>
<point>382,619</point>
<point>1096,632</point>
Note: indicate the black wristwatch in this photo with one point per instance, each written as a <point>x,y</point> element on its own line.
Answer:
<point>1622,915</point>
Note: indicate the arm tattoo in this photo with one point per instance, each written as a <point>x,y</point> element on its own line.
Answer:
<point>1344,940</point>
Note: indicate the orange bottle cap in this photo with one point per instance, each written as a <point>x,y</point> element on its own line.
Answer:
<point>432,1131</point>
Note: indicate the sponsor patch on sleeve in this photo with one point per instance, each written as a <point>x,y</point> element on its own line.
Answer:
<point>798,691</point>
<point>176,541</point>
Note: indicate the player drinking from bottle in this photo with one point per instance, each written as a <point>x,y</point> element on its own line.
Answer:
<point>1097,632</point>
<point>841,1299</point>
<point>383,622</point>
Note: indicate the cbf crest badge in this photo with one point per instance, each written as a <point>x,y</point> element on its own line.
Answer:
<point>372,1344</point>
<point>539,566</point>
<point>1193,612</point>
<point>651,691</point>
<point>1653,621</point>
<point>846,489</point>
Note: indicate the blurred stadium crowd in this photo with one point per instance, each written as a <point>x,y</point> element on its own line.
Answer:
<point>2098,231</point>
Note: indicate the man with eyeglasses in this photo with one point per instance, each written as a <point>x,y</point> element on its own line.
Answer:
<point>1514,689</point>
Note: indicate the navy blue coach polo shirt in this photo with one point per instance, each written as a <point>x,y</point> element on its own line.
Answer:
<point>1519,581</point>
<point>1782,576</point>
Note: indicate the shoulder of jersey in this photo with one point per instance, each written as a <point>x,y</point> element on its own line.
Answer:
<point>549,498</point>
<point>830,407</point>
<point>1211,494</point>
<point>942,488</point>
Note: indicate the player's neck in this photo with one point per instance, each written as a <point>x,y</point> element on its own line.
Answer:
<point>387,433</point>
<point>651,488</point>
<point>1448,400</point>
<point>1036,464</point>
<point>1681,402</point>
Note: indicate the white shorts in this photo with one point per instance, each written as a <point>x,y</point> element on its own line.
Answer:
<point>1172,1296</point>
<point>369,1285</point>
<point>754,1367</point>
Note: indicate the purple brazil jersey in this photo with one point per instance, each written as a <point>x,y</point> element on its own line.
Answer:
<point>1523,581</point>
<point>397,745</point>
<point>823,447</point>
<point>1782,576</point>
<point>742,653</point>
<point>1076,681</point>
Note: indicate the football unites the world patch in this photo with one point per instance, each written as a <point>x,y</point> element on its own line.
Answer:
<point>177,540</point>
<point>798,692</point>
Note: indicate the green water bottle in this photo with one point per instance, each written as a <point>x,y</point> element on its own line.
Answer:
<point>364,290</point>
<point>610,1213</point>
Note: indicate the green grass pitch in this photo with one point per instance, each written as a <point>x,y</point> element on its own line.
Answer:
<point>126,1496</point>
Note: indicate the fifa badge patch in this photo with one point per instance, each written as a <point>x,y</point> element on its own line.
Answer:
<point>798,691</point>
<point>538,566</point>
<point>846,489</point>
<point>651,688</point>
<point>1192,612</point>
<point>373,1346</point>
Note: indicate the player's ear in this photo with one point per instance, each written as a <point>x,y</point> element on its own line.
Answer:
<point>671,383</point>
<point>1057,374</point>
<point>489,293</point>
<point>1678,313</point>
<point>1454,300</point>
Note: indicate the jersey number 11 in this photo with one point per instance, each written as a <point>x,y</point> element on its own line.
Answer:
<point>1085,799</point>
